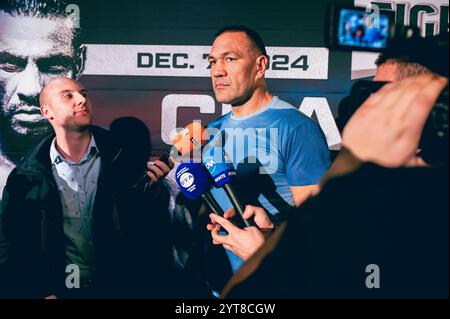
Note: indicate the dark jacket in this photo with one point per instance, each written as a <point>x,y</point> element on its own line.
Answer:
<point>394,218</point>
<point>130,228</point>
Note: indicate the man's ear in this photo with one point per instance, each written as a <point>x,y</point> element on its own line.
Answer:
<point>46,112</point>
<point>80,60</point>
<point>261,65</point>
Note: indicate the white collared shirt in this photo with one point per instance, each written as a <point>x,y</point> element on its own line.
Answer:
<point>77,186</point>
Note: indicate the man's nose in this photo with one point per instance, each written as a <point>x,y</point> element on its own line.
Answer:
<point>29,84</point>
<point>80,99</point>
<point>218,70</point>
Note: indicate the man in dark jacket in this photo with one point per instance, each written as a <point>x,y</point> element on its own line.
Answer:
<point>73,223</point>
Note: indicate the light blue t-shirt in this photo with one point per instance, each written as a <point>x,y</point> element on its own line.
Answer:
<point>272,150</point>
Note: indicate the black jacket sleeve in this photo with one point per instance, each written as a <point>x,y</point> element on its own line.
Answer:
<point>9,257</point>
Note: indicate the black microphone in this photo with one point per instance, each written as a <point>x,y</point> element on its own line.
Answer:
<point>222,171</point>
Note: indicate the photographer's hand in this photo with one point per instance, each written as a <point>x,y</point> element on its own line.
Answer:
<point>386,129</point>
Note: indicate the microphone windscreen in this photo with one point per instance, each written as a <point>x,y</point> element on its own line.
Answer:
<point>193,179</point>
<point>218,165</point>
<point>192,136</point>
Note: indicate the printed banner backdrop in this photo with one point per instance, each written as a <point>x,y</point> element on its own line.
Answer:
<point>165,81</point>
<point>147,59</point>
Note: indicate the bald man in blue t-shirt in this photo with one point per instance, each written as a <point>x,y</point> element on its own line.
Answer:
<point>279,153</point>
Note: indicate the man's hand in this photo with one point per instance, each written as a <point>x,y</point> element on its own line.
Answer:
<point>386,129</point>
<point>242,242</point>
<point>158,170</point>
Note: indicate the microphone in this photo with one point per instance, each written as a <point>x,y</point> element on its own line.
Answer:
<point>194,182</point>
<point>222,171</point>
<point>189,139</point>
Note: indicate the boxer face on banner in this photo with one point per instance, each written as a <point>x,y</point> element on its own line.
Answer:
<point>33,50</point>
